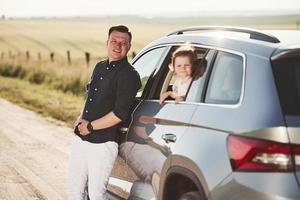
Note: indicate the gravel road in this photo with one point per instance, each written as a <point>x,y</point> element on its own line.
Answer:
<point>33,155</point>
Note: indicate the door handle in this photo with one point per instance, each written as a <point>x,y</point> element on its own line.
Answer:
<point>169,137</point>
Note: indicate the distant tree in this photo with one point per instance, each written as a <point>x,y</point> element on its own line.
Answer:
<point>3,17</point>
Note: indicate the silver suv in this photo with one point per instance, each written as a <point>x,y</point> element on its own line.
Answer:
<point>235,136</point>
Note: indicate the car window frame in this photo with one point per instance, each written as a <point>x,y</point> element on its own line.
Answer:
<point>244,61</point>
<point>162,71</point>
<point>207,75</point>
<point>212,66</point>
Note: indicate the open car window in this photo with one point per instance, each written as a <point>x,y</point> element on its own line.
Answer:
<point>169,77</point>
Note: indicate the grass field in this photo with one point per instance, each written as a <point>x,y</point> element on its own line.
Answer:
<point>90,35</point>
<point>64,107</point>
<point>42,78</point>
<point>41,37</point>
<point>58,36</point>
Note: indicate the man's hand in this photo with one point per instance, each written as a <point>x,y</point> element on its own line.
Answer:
<point>83,127</point>
<point>77,121</point>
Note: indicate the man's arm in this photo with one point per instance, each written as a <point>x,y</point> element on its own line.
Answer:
<point>106,121</point>
<point>128,85</point>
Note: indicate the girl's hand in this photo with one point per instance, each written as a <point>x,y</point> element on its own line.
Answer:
<point>178,99</point>
<point>163,97</point>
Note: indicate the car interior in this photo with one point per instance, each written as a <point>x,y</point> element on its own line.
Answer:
<point>199,69</point>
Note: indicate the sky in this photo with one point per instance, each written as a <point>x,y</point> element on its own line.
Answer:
<point>149,8</point>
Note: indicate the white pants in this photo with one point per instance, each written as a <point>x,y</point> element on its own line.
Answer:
<point>90,167</point>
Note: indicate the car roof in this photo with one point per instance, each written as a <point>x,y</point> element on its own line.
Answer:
<point>244,40</point>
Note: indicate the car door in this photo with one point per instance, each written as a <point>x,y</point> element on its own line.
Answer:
<point>146,64</point>
<point>154,131</point>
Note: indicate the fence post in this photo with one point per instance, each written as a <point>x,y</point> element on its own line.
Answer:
<point>52,56</point>
<point>9,54</point>
<point>27,55</point>
<point>2,55</point>
<point>133,54</point>
<point>69,57</point>
<point>39,56</point>
<point>87,59</point>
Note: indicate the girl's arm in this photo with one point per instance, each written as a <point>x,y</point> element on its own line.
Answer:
<point>171,94</point>
<point>165,95</point>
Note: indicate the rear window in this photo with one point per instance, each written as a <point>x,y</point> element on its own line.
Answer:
<point>287,78</point>
<point>225,84</point>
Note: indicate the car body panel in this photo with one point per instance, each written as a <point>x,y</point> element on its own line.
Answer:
<point>206,146</point>
<point>258,186</point>
<point>145,149</point>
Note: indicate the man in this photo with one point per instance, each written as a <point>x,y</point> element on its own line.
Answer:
<point>111,92</point>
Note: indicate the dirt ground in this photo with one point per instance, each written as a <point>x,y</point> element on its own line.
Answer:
<point>33,155</point>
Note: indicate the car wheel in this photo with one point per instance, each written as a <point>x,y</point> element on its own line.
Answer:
<point>194,195</point>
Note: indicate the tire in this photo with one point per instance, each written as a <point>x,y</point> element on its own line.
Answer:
<point>194,195</point>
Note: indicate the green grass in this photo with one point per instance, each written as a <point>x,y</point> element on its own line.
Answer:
<point>46,101</point>
<point>66,83</point>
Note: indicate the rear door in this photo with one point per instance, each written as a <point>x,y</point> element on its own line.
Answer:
<point>286,69</point>
<point>215,118</point>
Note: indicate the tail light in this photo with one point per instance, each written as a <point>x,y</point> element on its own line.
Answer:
<point>248,154</point>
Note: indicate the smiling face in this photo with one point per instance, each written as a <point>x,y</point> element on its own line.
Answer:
<point>183,66</point>
<point>118,45</point>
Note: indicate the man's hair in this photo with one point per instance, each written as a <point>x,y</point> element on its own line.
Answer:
<point>122,29</point>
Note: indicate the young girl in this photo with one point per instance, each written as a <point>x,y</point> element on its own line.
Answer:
<point>182,64</point>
